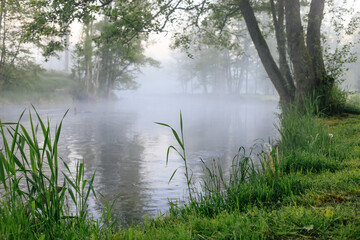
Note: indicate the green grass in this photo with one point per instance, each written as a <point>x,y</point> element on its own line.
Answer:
<point>308,188</point>
<point>35,193</point>
<point>44,87</point>
<point>353,104</point>
<point>305,187</point>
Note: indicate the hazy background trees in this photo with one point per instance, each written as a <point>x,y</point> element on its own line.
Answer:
<point>301,63</point>
<point>233,47</point>
<point>107,55</point>
<point>104,61</point>
<point>15,45</point>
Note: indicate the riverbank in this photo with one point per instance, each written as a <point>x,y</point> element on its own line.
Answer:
<point>324,203</point>
<point>45,87</point>
<point>307,188</point>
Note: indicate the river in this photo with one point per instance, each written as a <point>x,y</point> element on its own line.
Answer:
<point>120,140</point>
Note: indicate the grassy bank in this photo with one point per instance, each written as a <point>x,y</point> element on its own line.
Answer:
<point>44,87</point>
<point>308,188</point>
<point>305,187</point>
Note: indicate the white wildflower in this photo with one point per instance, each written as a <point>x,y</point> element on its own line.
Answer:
<point>331,135</point>
<point>268,148</point>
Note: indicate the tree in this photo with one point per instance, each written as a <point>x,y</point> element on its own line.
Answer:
<point>299,72</point>
<point>118,61</point>
<point>105,58</point>
<point>14,44</point>
<point>212,70</point>
<point>110,53</point>
<point>53,18</point>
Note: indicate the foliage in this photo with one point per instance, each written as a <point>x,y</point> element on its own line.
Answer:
<point>335,103</point>
<point>305,143</point>
<point>40,86</point>
<point>105,60</point>
<point>46,25</point>
<point>338,55</point>
<point>266,178</point>
<point>221,71</point>
<point>14,45</point>
<point>182,154</point>
<point>353,104</point>
<point>53,18</point>
<point>221,24</point>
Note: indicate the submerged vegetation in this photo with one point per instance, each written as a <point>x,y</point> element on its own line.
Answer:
<point>305,186</point>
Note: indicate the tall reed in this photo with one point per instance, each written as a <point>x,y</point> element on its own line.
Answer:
<point>252,179</point>
<point>270,175</point>
<point>181,152</point>
<point>305,143</point>
<point>31,177</point>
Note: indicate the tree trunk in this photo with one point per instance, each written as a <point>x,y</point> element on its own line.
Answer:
<point>88,54</point>
<point>299,54</point>
<point>3,44</point>
<point>313,39</point>
<point>67,53</point>
<point>2,6</point>
<point>275,75</point>
<point>278,18</point>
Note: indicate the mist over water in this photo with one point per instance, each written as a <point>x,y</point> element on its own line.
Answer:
<point>127,149</point>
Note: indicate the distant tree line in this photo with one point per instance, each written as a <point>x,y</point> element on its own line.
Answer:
<point>216,71</point>
<point>303,66</point>
<point>297,59</point>
<point>108,56</point>
<point>104,61</point>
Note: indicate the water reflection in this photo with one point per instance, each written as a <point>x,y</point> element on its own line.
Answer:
<point>121,142</point>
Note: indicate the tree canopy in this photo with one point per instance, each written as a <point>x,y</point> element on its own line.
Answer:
<point>300,69</point>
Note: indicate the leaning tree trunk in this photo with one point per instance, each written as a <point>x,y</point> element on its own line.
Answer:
<point>286,94</point>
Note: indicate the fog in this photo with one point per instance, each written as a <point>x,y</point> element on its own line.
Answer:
<point>226,99</point>
<point>120,140</point>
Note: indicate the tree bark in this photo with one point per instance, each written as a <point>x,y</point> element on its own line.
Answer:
<point>4,31</point>
<point>313,39</point>
<point>278,18</point>
<point>275,75</point>
<point>299,54</point>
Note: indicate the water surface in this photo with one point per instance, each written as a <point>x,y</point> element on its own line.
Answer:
<point>127,149</point>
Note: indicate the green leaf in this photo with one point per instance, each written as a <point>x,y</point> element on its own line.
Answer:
<point>168,152</point>
<point>2,170</point>
<point>72,196</point>
<point>177,138</point>
<point>172,175</point>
